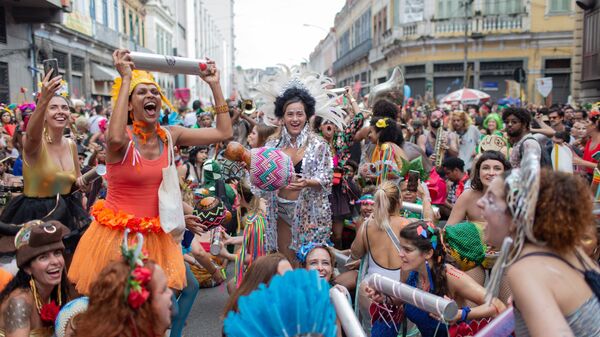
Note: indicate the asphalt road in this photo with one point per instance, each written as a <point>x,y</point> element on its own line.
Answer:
<point>205,318</point>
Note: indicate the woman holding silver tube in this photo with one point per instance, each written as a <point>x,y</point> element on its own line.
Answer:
<point>424,267</point>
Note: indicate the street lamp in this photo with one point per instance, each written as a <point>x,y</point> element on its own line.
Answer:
<point>315,26</point>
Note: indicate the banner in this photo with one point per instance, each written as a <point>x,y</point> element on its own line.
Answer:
<point>413,11</point>
<point>513,89</point>
<point>544,86</point>
<point>78,22</point>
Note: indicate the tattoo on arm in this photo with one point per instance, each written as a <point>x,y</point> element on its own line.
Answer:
<point>17,315</point>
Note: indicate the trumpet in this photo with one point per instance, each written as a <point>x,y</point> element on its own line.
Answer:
<point>248,106</point>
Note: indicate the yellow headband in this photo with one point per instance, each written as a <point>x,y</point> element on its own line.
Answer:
<point>138,77</point>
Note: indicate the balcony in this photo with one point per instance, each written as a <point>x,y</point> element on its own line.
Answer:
<point>356,53</point>
<point>106,35</point>
<point>482,24</point>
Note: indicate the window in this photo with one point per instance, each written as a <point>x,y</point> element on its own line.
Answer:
<point>130,32</point>
<point>2,26</point>
<point>4,87</point>
<point>124,19</point>
<point>77,63</point>
<point>116,18</point>
<point>105,12</point>
<point>416,69</point>
<point>450,9</point>
<point>62,59</point>
<point>496,7</point>
<point>558,6</point>
<point>93,9</point>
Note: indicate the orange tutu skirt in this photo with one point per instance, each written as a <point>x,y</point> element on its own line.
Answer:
<point>101,244</point>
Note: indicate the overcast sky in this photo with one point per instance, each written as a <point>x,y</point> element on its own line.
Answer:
<point>268,32</point>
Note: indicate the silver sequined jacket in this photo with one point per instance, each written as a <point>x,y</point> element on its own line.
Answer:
<point>312,217</point>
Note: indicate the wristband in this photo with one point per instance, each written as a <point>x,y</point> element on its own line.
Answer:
<point>221,109</point>
<point>465,314</point>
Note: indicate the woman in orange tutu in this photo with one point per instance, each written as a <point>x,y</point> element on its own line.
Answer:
<point>136,154</point>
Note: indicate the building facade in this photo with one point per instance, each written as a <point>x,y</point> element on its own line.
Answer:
<point>426,38</point>
<point>83,36</point>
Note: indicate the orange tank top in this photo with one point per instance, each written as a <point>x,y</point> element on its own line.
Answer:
<point>133,183</point>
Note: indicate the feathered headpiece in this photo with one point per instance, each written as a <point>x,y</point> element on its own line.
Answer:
<point>138,77</point>
<point>277,311</point>
<point>312,83</point>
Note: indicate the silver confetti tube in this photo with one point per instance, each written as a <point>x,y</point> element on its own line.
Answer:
<point>167,63</point>
<point>340,258</point>
<point>501,326</point>
<point>215,242</point>
<point>338,91</point>
<point>416,208</point>
<point>423,300</point>
<point>345,314</point>
<point>93,174</point>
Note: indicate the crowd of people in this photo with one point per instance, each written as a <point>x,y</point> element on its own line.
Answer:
<point>115,215</point>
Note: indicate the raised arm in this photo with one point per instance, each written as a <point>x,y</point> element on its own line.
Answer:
<point>223,130</point>
<point>35,127</point>
<point>116,138</point>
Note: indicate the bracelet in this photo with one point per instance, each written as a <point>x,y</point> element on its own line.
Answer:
<point>221,109</point>
<point>465,314</point>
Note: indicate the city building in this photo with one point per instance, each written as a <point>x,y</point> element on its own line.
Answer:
<point>83,36</point>
<point>210,34</point>
<point>586,63</point>
<point>426,38</point>
<point>322,58</point>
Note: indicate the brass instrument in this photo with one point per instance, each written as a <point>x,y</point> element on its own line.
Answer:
<point>392,89</point>
<point>248,106</point>
<point>439,150</point>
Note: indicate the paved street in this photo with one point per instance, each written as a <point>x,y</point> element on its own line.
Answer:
<point>205,318</point>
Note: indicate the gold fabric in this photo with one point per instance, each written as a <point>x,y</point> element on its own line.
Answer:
<point>46,179</point>
<point>41,332</point>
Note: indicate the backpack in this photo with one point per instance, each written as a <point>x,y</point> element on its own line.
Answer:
<point>545,159</point>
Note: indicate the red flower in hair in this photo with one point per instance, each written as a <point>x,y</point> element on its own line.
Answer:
<point>137,298</point>
<point>142,275</point>
<point>49,311</point>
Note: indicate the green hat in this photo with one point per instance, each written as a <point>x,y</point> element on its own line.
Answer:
<point>212,171</point>
<point>464,244</point>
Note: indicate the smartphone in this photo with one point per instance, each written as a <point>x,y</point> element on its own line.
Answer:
<point>413,181</point>
<point>51,64</point>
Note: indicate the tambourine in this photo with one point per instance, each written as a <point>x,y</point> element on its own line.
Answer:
<point>270,168</point>
<point>212,212</point>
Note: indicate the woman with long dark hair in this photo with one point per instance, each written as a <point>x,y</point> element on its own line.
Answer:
<point>424,267</point>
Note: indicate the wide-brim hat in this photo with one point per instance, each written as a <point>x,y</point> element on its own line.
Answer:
<point>38,237</point>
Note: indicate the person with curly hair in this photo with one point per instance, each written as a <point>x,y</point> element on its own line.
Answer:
<point>517,121</point>
<point>110,315</point>
<point>546,271</point>
<point>299,212</point>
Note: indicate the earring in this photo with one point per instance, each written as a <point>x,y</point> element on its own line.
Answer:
<point>47,136</point>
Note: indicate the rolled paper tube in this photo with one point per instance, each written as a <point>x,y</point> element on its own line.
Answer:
<point>236,152</point>
<point>341,258</point>
<point>423,300</point>
<point>168,64</point>
<point>345,314</point>
<point>416,208</point>
<point>501,326</point>
<point>93,174</point>
<point>338,90</point>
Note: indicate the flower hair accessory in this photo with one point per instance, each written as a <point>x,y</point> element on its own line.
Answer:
<point>382,123</point>
<point>305,249</point>
<point>423,231</point>
<point>136,292</point>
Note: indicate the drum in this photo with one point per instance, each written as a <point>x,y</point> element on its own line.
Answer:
<point>212,212</point>
<point>270,168</point>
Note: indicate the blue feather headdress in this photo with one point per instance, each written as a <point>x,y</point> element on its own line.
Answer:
<point>294,304</point>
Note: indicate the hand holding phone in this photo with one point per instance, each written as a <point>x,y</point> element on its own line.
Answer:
<point>413,181</point>
<point>51,65</point>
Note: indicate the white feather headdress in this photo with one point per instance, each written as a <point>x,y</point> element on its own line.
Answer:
<point>316,86</point>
